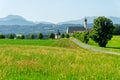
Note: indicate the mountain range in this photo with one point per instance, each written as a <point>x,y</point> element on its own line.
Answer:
<point>19,20</point>
<point>19,25</point>
<point>116,20</point>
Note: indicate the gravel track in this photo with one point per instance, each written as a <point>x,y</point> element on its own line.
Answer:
<point>85,46</point>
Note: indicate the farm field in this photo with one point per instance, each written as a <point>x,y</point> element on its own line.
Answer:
<point>113,44</point>
<point>54,60</point>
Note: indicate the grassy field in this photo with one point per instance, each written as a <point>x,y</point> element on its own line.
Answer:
<point>54,60</point>
<point>53,43</point>
<point>113,44</point>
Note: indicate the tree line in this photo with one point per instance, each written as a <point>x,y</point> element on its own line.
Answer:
<point>32,36</point>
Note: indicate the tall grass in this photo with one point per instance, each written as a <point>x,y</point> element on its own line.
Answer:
<point>53,43</point>
<point>63,61</point>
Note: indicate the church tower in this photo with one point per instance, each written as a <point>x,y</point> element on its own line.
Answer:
<point>85,24</point>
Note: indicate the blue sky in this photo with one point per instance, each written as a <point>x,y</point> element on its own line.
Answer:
<point>59,10</point>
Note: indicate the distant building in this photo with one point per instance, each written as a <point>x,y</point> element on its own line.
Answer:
<point>57,35</point>
<point>70,30</point>
<point>85,23</point>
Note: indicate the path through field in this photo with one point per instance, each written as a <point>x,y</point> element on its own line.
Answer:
<point>92,48</point>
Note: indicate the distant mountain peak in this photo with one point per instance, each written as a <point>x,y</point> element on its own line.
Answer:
<point>15,20</point>
<point>11,17</point>
<point>15,16</point>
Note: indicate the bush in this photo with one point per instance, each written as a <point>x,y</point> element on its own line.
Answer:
<point>67,35</point>
<point>11,36</point>
<point>116,30</point>
<point>76,35</point>
<point>62,35</point>
<point>82,36</point>
<point>52,36</point>
<point>2,36</point>
<point>40,36</point>
<point>85,37</point>
<point>20,36</point>
<point>31,36</point>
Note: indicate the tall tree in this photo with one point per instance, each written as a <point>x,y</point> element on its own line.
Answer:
<point>116,29</point>
<point>102,30</point>
<point>40,36</point>
<point>11,36</point>
<point>31,36</point>
<point>52,36</point>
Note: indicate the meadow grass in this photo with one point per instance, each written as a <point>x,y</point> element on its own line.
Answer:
<point>112,45</point>
<point>50,42</point>
<point>62,61</point>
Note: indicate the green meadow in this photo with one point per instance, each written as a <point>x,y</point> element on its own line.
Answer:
<point>113,44</point>
<point>54,60</point>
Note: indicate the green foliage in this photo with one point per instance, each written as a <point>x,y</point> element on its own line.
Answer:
<point>67,35</point>
<point>85,37</point>
<point>40,36</point>
<point>20,36</point>
<point>112,45</point>
<point>52,36</point>
<point>11,36</point>
<point>2,36</point>
<point>62,35</point>
<point>31,36</point>
<point>82,36</point>
<point>116,29</point>
<point>102,31</point>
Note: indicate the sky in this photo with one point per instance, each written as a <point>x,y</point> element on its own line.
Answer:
<point>59,10</point>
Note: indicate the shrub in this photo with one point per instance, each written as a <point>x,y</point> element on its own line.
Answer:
<point>20,36</point>
<point>11,36</point>
<point>31,36</point>
<point>85,37</point>
<point>2,36</point>
<point>82,36</point>
<point>67,35</point>
<point>40,36</point>
<point>116,30</point>
<point>52,36</point>
<point>62,35</point>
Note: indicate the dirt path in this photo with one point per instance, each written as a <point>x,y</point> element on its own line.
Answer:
<point>92,48</point>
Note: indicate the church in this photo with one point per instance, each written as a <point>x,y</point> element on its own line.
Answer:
<point>72,29</point>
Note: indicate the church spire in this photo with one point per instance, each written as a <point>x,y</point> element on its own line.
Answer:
<point>85,23</point>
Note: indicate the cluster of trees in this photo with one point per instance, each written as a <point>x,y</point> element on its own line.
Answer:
<point>21,36</point>
<point>2,36</point>
<point>31,36</point>
<point>116,30</point>
<point>101,33</point>
<point>52,36</point>
<point>82,36</point>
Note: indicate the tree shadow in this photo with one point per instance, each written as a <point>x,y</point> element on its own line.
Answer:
<point>114,47</point>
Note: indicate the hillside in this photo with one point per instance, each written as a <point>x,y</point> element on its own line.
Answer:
<point>17,24</point>
<point>45,61</point>
<point>26,29</point>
